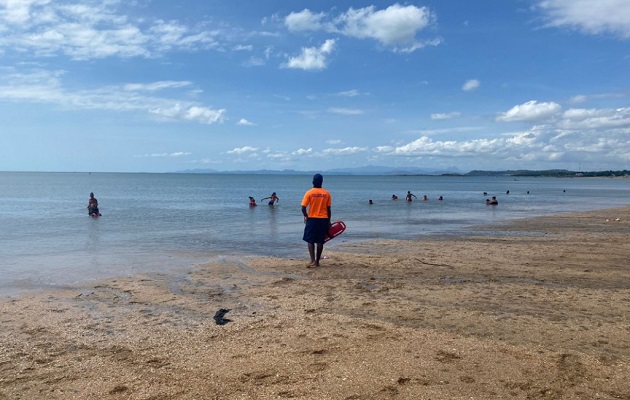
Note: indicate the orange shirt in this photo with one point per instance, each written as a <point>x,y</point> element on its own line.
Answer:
<point>317,200</point>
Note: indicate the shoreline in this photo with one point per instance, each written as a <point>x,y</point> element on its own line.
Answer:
<point>533,308</point>
<point>178,262</point>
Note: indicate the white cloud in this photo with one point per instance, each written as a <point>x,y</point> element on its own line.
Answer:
<point>242,47</point>
<point>349,93</point>
<point>444,116</point>
<point>385,149</point>
<point>180,153</point>
<point>175,154</point>
<point>295,155</point>
<point>431,132</point>
<point>204,115</point>
<point>395,27</point>
<point>424,146</point>
<point>18,12</point>
<point>91,31</point>
<point>530,111</point>
<point>242,150</point>
<point>578,99</point>
<point>601,136</point>
<point>312,58</point>
<point>471,85</point>
<point>195,113</point>
<point>46,87</point>
<point>582,98</point>
<point>279,155</point>
<point>588,16</point>
<point>205,161</point>
<point>585,119</point>
<point>344,151</point>
<point>500,148</point>
<point>346,111</point>
<point>577,135</point>
<point>305,20</point>
<point>302,152</point>
<point>155,86</point>
<point>244,122</point>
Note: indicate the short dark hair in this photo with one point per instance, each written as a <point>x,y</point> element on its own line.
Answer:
<point>318,179</point>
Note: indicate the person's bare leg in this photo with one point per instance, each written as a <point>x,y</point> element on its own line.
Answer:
<point>320,248</point>
<point>311,252</point>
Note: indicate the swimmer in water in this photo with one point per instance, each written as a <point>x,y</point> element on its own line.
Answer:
<point>272,199</point>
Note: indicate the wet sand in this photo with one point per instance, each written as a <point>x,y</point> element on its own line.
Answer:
<point>534,309</point>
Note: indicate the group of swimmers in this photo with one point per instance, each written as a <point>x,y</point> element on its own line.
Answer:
<point>410,196</point>
<point>272,200</point>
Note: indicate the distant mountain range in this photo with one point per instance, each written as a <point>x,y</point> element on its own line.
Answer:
<point>380,170</point>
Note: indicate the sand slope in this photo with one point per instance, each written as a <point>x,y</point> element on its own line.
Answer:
<point>537,309</point>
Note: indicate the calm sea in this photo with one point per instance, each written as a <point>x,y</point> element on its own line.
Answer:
<point>164,222</point>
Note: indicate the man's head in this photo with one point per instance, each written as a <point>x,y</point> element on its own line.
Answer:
<point>318,179</point>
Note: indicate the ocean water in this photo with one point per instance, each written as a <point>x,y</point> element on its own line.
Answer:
<point>164,222</point>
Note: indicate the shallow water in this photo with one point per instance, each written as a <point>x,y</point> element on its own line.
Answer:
<point>162,222</point>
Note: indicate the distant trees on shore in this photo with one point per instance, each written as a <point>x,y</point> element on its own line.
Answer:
<point>559,173</point>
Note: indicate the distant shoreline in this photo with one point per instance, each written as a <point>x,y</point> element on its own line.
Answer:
<point>380,171</point>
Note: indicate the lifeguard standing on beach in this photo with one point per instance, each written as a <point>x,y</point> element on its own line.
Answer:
<point>317,219</point>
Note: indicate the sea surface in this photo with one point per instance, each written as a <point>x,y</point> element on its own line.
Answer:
<point>166,222</point>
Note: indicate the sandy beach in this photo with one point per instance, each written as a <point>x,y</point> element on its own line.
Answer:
<point>533,309</point>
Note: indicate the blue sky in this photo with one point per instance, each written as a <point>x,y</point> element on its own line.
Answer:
<point>158,86</point>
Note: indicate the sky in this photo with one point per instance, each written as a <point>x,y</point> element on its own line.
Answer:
<point>164,85</point>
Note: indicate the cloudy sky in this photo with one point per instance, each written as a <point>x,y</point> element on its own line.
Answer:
<point>163,85</point>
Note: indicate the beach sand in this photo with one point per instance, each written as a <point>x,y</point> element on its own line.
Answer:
<point>534,309</point>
